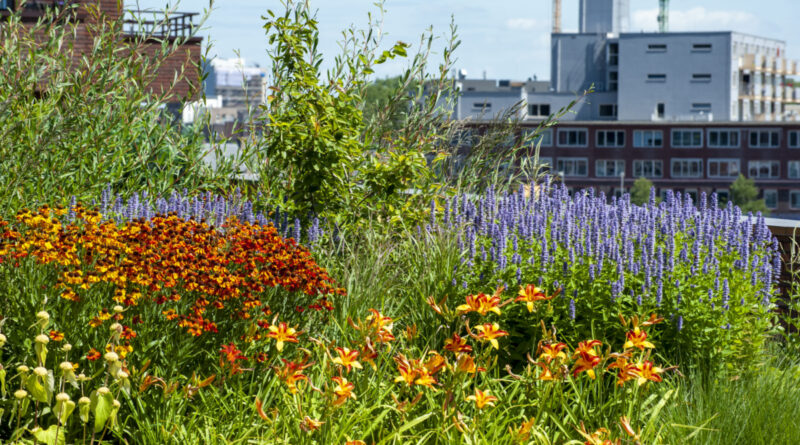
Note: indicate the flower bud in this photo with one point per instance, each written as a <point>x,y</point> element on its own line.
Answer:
<point>111,356</point>
<point>67,347</point>
<point>3,340</point>
<point>82,377</point>
<point>84,401</point>
<point>103,390</point>
<point>122,375</point>
<point>22,369</point>
<point>40,371</point>
<point>116,327</point>
<point>62,397</point>
<point>116,404</point>
<point>20,394</point>
<point>43,318</point>
<point>43,339</point>
<point>118,309</point>
<point>65,366</point>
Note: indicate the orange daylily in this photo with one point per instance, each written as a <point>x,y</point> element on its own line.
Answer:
<point>627,371</point>
<point>490,332</point>
<point>546,374</point>
<point>308,424</point>
<point>637,338</point>
<point>587,358</point>
<point>456,344</point>
<point>482,398</point>
<point>531,294</point>
<point>292,373</point>
<point>282,333</point>
<point>553,351</point>
<point>647,371</point>
<point>481,303</point>
<point>347,358</point>
<point>343,390</point>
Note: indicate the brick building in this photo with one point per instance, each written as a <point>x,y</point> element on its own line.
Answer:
<point>142,31</point>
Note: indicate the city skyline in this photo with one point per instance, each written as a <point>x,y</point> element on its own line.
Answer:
<point>493,38</point>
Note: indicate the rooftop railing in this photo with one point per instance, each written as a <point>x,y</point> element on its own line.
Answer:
<point>159,24</point>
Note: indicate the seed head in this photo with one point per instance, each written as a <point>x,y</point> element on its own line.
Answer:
<point>22,369</point>
<point>43,339</point>
<point>103,390</point>
<point>67,347</point>
<point>116,403</point>
<point>20,394</point>
<point>118,309</point>
<point>62,397</point>
<point>111,356</point>
<point>40,371</point>
<point>116,327</point>
<point>65,366</point>
<point>84,401</point>
<point>43,317</point>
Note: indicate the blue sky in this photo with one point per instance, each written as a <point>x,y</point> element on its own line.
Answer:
<point>505,38</point>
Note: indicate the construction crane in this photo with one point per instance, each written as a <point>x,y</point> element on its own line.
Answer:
<point>556,16</point>
<point>663,15</point>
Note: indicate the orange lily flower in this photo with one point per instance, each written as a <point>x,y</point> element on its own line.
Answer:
<point>456,344</point>
<point>435,363</point>
<point>343,390</point>
<point>647,371</point>
<point>378,321</point>
<point>553,351</point>
<point>490,332</point>
<point>546,374</point>
<point>282,333</point>
<point>531,294</point>
<point>308,424</point>
<point>407,371</point>
<point>291,373</point>
<point>425,379</point>
<point>347,358</point>
<point>481,303</point>
<point>587,358</point>
<point>637,338</point>
<point>482,398</point>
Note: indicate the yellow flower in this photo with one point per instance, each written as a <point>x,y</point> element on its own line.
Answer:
<point>490,332</point>
<point>347,358</point>
<point>637,338</point>
<point>531,294</point>
<point>482,399</point>
<point>647,371</point>
<point>553,351</point>
<point>481,303</point>
<point>343,391</point>
<point>281,334</point>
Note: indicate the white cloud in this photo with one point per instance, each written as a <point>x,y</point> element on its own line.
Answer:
<point>524,23</point>
<point>698,19</point>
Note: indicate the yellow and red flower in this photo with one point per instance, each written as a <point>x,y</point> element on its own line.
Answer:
<point>552,351</point>
<point>342,391</point>
<point>490,332</point>
<point>530,294</point>
<point>282,333</point>
<point>482,399</point>
<point>347,358</point>
<point>637,338</point>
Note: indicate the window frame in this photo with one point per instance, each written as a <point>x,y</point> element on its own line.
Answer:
<point>653,135</point>
<point>575,160</point>
<point>771,192</point>
<point>656,47</point>
<point>584,131</point>
<point>686,130</point>
<point>619,164</point>
<point>701,77</point>
<point>543,135</point>
<point>700,170</point>
<point>759,131</point>
<point>793,166</point>
<point>656,77</point>
<point>758,163</point>
<point>711,161</point>
<point>482,106</point>
<point>793,193</point>
<point>617,134</point>
<point>702,47</point>
<point>538,109</point>
<point>793,134</point>
<point>729,131</point>
<point>653,162</point>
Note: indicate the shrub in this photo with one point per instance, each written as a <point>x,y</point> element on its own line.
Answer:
<point>708,270</point>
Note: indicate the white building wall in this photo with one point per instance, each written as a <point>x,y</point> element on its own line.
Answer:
<point>578,61</point>
<point>641,64</point>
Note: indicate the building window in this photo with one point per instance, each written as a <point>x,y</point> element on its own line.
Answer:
<point>573,166</point>
<point>545,136</point>
<point>613,54</point>
<point>613,82</point>
<point>765,138</point>
<point>660,110</point>
<point>701,107</point>
<point>794,169</point>
<point>605,168</point>
<point>482,106</point>
<point>771,199</point>
<point>687,168</point>
<point>539,110</point>
<point>610,138</point>
<point>6,4</point>
<point>648,168</point>
<point>656,77</point>
<point>794,139</point>
<point>687,138</point>
<point>608,110</point>
<point>723,195</point>
<point>657,48</point>
<point>764,169</point>
<point>701,47</point>
<point>794,199</point>
<point>572,137</point>
<point>723,168</point>
<point>723,138</point>
<point>648,138</point>
<point>703,77</point>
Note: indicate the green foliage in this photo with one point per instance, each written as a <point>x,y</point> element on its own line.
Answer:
<point>75,123</point>
<point>640,192</point>
<point>744,194</point>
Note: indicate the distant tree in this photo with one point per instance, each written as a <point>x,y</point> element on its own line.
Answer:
<point>744,194</point>
<point>640,192</point>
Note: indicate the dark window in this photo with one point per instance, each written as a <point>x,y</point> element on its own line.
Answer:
<point>608,110</point>
<point>656,77</point>
<point>539,109</point>
<point>657,47</point>
<point>503,83</point>
<point>701,77</point>
<point>701,47</point>
<point>482,105</point>
<point>660,110</point>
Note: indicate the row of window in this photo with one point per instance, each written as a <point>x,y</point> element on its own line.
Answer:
<point>681,138</point>
<point>696,77</point>
<point>679,168</point>
<point>662,47</point>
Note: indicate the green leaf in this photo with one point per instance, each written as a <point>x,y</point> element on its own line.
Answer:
<point>37,390</point>
<point>102,406</point>
<point>51,436</point>
<point>2,382</point>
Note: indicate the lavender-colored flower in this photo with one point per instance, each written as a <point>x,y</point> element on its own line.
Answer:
<point>572,308</point>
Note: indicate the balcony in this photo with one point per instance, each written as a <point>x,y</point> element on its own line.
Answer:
<point>160,25</point>
<point>32,10</point>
